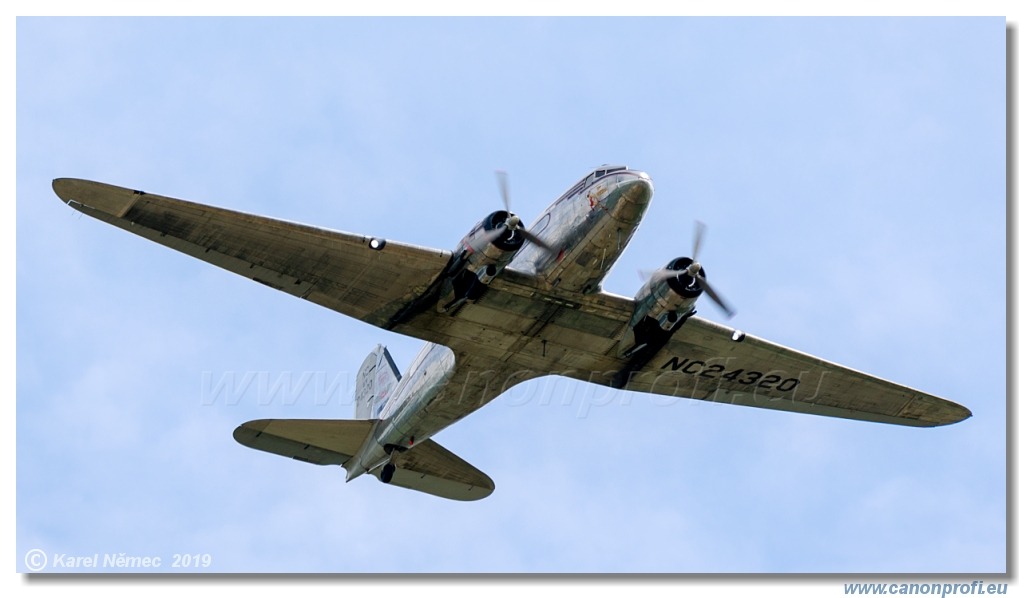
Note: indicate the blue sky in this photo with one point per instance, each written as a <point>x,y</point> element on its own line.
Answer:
<point>852,175</point>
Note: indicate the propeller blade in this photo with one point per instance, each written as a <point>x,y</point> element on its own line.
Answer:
<point>514,223</point>
<point>506,197</point>
<point>658,275</point>
<point>481,242</point>
<point>719,301</point>
<point>536,241</point>
<point>698,239</point>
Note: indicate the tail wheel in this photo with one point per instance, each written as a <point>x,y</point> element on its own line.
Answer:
<point>387,473</point>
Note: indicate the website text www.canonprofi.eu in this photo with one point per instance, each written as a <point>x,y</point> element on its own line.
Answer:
<point>973,588</point>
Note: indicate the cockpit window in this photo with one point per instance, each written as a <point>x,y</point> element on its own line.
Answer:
<point>604,170</point>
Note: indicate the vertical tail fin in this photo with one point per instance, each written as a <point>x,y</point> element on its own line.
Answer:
<point>377,379</point>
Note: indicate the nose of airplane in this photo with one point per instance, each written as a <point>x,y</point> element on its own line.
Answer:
<point>628,199</point>
<point>636,187</point>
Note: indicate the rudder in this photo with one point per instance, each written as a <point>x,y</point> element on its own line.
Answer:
<point>377,379</point>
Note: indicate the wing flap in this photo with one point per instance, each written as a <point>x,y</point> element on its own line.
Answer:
<point>429,467</point>
<point>316,441</point>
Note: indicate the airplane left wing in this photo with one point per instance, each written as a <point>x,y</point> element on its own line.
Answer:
<point>577,336</point>
<point>711,362</point>
<point>337,270</point>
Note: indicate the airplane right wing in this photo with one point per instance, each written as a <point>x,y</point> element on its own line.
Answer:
<point>341,271</point>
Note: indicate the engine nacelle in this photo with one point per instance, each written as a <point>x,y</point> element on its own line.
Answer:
<point>480,256</point>
<point>668,298</point>
<point>662,305</point>
<point>491,243</point>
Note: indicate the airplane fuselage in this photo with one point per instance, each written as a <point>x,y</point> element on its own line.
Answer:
<point>589,226</point>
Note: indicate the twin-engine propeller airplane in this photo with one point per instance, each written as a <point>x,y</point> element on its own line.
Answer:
<point>508,304</point>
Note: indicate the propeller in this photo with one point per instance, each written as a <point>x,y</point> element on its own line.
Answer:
<point>513,224</point>
<point>693,270</point>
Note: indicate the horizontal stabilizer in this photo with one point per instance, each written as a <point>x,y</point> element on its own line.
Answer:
<point>317,441</point>
<point>431,468</point>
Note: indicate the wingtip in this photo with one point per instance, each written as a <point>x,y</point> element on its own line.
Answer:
<point>966,414</point>
<point>62,187</point>
<point>961,413</point>
<point>956,414</point>
<point>100,198</point>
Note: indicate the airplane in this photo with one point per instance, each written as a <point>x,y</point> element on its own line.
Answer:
<point>506,305</point>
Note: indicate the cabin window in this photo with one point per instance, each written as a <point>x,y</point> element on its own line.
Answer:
<point>541,224</point>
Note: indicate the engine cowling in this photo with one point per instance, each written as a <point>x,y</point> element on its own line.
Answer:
<point>668,296</point>
<point>492,243</point>
<point>480,256</point>
<point>662,305</point>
